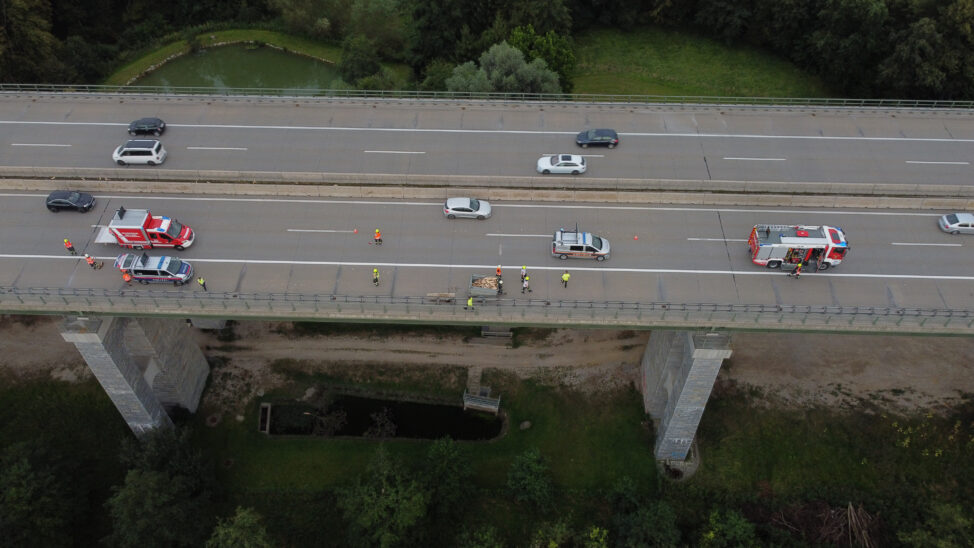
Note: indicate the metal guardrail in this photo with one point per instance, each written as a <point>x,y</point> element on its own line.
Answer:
<point>512,311</point>
<point>472,96</point>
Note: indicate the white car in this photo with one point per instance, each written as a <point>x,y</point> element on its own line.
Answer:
<point>471,208</point>
<point>140,151</point>
<point>562,163</point>
<point>957,223</point>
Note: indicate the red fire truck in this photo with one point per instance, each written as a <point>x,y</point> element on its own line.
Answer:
<point>139,229</point>
<point>784,246</point>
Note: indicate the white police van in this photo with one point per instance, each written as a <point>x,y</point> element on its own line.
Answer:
<point>579,245</point>
<point>145,269</point>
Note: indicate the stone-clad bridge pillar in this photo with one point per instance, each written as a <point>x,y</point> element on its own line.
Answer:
<point>679,369</point>
<point>144,364</point>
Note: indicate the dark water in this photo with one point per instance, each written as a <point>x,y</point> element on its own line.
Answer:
<point>410,420</point>
<point>239,67</point>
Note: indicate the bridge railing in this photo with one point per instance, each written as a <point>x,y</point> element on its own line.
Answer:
<point>475,96</point>
<point>514,310</point>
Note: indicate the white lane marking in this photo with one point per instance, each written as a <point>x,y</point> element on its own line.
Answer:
<point>716,240</point>
<point>514,132</point>
<point>315,230</point>
<point>941,163</point>
<point>756,159</point>
<point>216,148</point>
<point>759,272</point>
<point>935,245</point>
<point>392,152</point>
<point>524,206</point>
<point>36,145</point>
<point>519,235</point>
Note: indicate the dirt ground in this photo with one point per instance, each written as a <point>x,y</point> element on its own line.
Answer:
<point>790,369</point>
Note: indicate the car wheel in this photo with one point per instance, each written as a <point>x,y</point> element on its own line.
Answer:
<point>575,172</point>
<point>955,232</point>
<point>179,247</point>
<point>774,264</point>
<point>151,163</point>
<point>600,258</point>
<point>178,283</point>
<point>824,266</point>
<point>120,162</point>
<point>611,145</point>
<point>157,133</point>
<point>144,282</point>
<point>545,172</point>
<point>563,257</point>
<point>584,145</point>
<point>137,247</point>
<point>480,217</point>
<point>451,216</point>
<point>52,209</point>
<point>131,133</point>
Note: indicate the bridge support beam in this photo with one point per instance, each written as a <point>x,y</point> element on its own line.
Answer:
<point>678,373</point>
<point>144,364</point>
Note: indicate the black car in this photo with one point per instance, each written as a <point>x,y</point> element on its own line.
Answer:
<point>597,138</point>
<point>145,126</point>
<point>70,199</point>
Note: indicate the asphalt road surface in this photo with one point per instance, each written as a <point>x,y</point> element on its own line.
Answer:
<point>501,139</point>
<point>671,254</point>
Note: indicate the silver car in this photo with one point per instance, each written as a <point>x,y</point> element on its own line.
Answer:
<point>957,223</point>
<point>561,163</point>
<point>470,208</point>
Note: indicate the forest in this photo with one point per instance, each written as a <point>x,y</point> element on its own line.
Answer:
<point>900,49</point>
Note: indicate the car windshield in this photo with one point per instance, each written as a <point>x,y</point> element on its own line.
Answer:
<point>75,197</point>
<point>951,219</point>
<point>597,242</point>
<point>174,229</point>
<point>474,204</point>
<point>592,134</point>
<point>175,265</point>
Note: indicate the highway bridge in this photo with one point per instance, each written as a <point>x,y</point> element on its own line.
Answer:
<point>302,251</point>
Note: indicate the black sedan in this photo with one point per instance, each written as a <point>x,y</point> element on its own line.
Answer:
<point>145,126</point>
<point>70,199</point>
<point>597,138</point>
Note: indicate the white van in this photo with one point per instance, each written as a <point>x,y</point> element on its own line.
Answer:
<point>140,151</point>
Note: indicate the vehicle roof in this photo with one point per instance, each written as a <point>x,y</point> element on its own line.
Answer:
<point>141,143</point>
<point>457,202</point>
<point>964,217</point>
<point>149,120</point>
<point>60,194</point>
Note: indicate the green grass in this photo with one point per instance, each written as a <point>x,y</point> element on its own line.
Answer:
<point>658,61</point>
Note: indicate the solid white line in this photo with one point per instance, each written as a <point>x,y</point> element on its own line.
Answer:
<point>36,145</point>
<point>515,132</point>
<point>216,148</point>
<point>758,272</point>
<point>519,235</point>
<point>392,152</point>
<point>314,230</point>
<point>941,163</point>
<point>716,240</point>
<point>525,206</point>
<point>935,245</point>
<point>756,159</point>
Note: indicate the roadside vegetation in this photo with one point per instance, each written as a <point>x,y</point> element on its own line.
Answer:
<point>582,474</point>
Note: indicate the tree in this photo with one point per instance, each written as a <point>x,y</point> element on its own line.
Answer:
<point>483,537</point>
<point>727,19</point>
<point>529,480</point>
<point>380,22</point>
<point>545,15</point>
<point>384,508</point>
<point>359,58</point>
<point>168,483</point>
<point>437,25</point>
<point>244,530</point>
<point>556,50</point>
<point>35,508</point>
<point>947,526</point>
<point>638,521</point>
<point>504,69</point>
<point>849,43</point>
<point>446,475</point>
<point>920,63</point>
<point>152,509</point>
<point>28,50</point>
<point>728,529</point>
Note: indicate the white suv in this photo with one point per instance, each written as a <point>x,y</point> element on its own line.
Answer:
<point>140,151</point>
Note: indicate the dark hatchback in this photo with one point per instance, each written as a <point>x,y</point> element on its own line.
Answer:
<point>146,126</point>
<point>70,199</point>
<point>597,138</point>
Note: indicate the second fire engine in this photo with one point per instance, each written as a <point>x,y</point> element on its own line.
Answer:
<point>139,229</point>
<point>784,246</point>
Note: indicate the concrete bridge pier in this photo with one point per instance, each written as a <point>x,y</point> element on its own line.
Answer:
<point>144,364</point>
<point>679,369</point>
